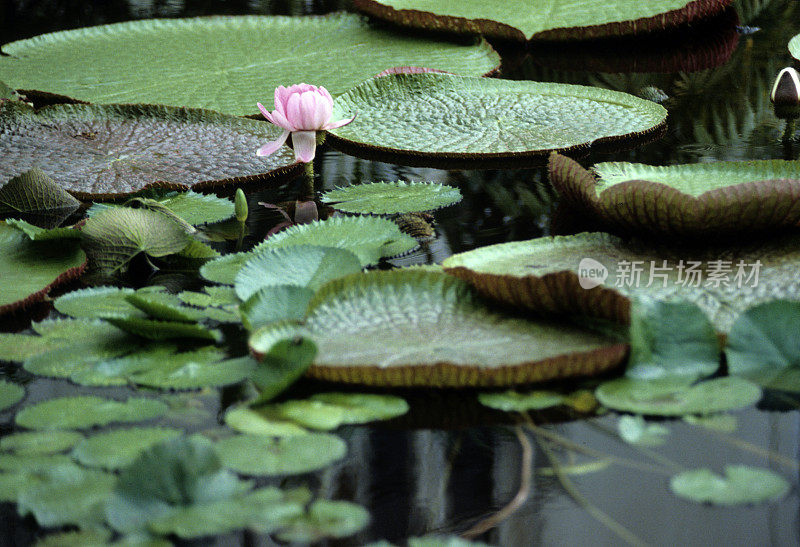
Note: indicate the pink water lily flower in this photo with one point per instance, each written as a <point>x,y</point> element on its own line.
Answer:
<point>301,110</point>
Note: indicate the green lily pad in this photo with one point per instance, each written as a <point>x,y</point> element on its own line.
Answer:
<point>441,119</point>
<point>154,329</point>
<point>87,411</point>
<point>694,200</point>
<point>436,540</point>
<point>109,151</point>
<point>225,268</point>
<point>190,373</point>
<point>671,339</point>
<point>95,537</point>
<point>163,306</point>
<point>670,397</point>
<point>252,422</point>
<point>192,207</point>
<point>597,275</point>
<point>556,20</point>
<point>762,345</point>
<point>281,365</point>
<point>303,265</point>
<point>369,238</point>
<point>29,270</point>
<point>259,455</point>
<point>252,56</point>
<point>216,303</point>
<point>32,462</point>
<point>513,401</point>
<point>30,443</point>
<point>326,518</point>
<point>794,47</point>
<point>97,302</point>
<point>727,423</point>
<point>35,197</point>
<point>327,411</point>
<point>635,430</point>
<point>387,198</point>
<point>36,233</point>
<point>275,303</point>
<point>68,495</point>
<point>10,394</point>
<point>741,485</point>
<point>417,316</point>
<point>118,448</point>
<point>114,237</point>
<point>173,477</point>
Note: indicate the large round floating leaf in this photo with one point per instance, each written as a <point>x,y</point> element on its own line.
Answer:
<point>301,265</point>
<point>387,198</point>
<point>442,119</point>
<point>554,20</point>
<point>670,397</point>
<point>86,411</point>
<point>118,448</point>
<point>424,328</point>
<point>97,151</point>
<point>259,455</point>
<point>10,394</point>
<point>223,63</point>
<point>29,270</point>
<point>740,485</point>
<point>597,275</point>
<point>694,200</point>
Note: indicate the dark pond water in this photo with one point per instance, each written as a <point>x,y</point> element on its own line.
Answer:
<point>448,465</point>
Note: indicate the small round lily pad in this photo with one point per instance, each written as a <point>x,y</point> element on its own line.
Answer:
<point>693,200</point>
<point>437,120</point>
<point>40,442</point>
<point>259,455</point>
<point>118,448</point>
<point>10,394</point>
<point>554,20</point>
<point>419,328</point>
<point>87,411</point>
<point>740,485</point>
<point>388,198</point>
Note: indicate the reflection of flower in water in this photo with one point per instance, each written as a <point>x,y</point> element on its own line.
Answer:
<point>301,110</point>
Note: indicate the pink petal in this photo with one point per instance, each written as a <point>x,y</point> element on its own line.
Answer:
<point>265,112</point>
<point>271,147</point>
<point>324,92</point>
<point>293,112</point>
<point>305,144</point>
<point>281,96</point>
<point>308,110</point>
<point>340,123</point>
<point>280,120</point>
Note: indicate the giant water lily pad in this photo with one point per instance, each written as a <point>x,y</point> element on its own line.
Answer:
<point>223,63</point>
<point>442,119</point>
<point>554,20</point>
<point>29,270</point>
<point>596,274</point>
<point>693,200</point>
<point>97,152</point>
<point>424,328</point>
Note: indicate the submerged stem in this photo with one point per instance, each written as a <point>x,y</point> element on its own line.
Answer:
<point>308,191</point>
<point>519,499</point>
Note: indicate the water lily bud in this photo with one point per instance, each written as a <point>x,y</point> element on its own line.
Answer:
<point>785,94</point>
<point>240,205</point>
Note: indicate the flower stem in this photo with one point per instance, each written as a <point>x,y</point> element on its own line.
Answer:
<point>308,190</point>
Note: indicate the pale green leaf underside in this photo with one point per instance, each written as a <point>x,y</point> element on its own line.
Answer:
<point>118,149</point>
<point>382,198</point>
<point>192,207</point>
<point>27,267</point>
<point>223,63</point>
<point>259,455</point>
<point>302,265</point>
<point>423,318</point>
<point>740,485</point>
<point>97,302</point>
<point>534,18</point>
<point>34,193</point>
<point>87,411</point>
<point>461,116</point>
<point>776,275</point>
<point>698,178</point>
<point>794,47</point>
<point>514,401</point>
